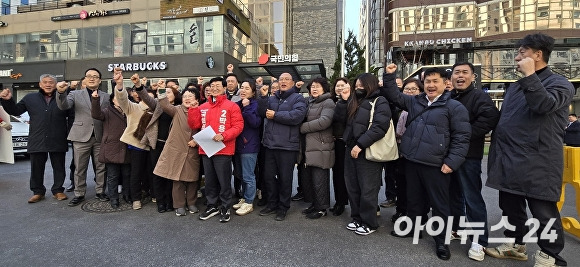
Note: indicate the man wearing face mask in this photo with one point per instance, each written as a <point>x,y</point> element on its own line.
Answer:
<point>526,154</point>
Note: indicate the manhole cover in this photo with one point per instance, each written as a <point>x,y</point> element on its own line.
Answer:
<point>95,205</point>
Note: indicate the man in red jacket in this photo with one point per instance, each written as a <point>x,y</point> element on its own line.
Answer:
<point>225,118</point>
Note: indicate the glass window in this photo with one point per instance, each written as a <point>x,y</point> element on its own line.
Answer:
<point>89,42</point>
<point>106,41</point>
<point>156,27</point>
<point>193,36</point>
<point>278,11</point>
<point>278,32</point>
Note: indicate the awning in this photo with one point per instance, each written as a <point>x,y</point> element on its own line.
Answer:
<point>305,70</point>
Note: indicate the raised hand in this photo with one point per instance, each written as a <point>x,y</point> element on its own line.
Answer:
<point>391,68</point>
<point>136,80</point>
<point>6,94</point>
<point>230,68</point>
<point>61,86</point>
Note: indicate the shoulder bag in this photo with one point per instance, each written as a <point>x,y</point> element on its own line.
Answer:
<point>385,149</point>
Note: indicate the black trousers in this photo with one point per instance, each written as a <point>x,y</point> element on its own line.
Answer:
<point>401,185</point>
<point>218,179</point>
<point>390,180</point>
<point>428,187</point>
<point>316,186</point>
<point>514,207</point>
<point>117,174</point>
<point>139,159</point>
<point>279,173</point>
<point>363,182</point>
<point>37,166</point>
<point>162,187</point>
<point>339,185</point>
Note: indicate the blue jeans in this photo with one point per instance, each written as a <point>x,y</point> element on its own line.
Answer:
<point>249,176</point>
<point>465,197</point>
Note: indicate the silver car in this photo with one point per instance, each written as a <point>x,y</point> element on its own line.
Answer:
<point>19,135</point>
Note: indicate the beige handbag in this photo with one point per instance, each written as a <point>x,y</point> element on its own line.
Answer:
<point>385,149</point>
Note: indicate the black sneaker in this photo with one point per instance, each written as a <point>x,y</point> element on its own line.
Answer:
<point>396,216</point>
<point>316,215</point>
<point>309,210</point>
<point>209,212</point>
<point>224,215</point>
<point>102,197</point>
<point>267,211</point>
<point>280,215</point>
<point>76,200</point>
<point>299,196</point>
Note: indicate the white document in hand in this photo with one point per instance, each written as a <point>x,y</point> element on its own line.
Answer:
<point>6,150</point>
<point>205,141</point>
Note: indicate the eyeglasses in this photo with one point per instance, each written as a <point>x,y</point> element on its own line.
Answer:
<point>92,77</point>
<point>285,79</point>
<point>411,89</point>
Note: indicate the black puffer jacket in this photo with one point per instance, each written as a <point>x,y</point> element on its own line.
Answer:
<point>357,130</point>
<point>439,135</point>
<point>48,124</point>
<point>483,117</point>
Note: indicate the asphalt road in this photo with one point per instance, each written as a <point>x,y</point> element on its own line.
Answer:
<point>50,233</point>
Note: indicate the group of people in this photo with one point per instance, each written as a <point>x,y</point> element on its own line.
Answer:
<point>144,137</point>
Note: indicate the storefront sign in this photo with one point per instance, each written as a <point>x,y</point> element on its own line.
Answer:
<point>440,41</point>
<point>206,9</point>
<point>278,58</point>
<point>142,66</point>
<point>6,73</point>
<point>91,14</point>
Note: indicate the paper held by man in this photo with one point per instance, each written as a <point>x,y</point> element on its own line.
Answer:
<point>204,138</point>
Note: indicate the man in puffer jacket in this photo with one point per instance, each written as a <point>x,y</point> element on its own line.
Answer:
<point>284,111</point>
<point>435,144</point>
<point>226,120</point>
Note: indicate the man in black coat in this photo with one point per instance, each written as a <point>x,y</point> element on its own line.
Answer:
<point>47,136</point>
<point>465,188</point>
<point>526,157</point>
<point>435,144</point>
<point>572,137</point>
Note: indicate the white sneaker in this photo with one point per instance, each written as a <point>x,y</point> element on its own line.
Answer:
<point>544,260</point>
<point>508,251</point>
<point>476,252</point>
<point>353,225</point>
<point>239,204</point>
<point>137,205</point>
<point>364,230</point>
<point>244,209</point>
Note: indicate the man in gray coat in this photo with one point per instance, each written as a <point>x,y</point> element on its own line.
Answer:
<point>525,157</point>
<point>85,133</point>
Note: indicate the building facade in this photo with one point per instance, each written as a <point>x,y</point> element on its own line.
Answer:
<point>159,39</point>
<point>371,27</point>
<point>482,32</point>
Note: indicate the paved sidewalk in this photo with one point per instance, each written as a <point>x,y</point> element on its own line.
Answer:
<point>50,233</point>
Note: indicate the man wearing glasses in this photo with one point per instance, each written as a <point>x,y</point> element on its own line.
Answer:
<point>85,133</point>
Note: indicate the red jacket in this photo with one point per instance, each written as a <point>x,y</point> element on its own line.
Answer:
<point>223,116</point>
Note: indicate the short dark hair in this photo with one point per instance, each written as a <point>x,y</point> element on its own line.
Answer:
<point>415,81</point>
<point>462,64</point>
<point>538,41</point>
<point>252,84</point>
<point>573,115</point>
<point>322,81</point>
<point>234,75</point>
<point>442,72</point>
<point>100,75</point>
<point>218,79</point>
<point>194,91</point>
<point>173,80</point>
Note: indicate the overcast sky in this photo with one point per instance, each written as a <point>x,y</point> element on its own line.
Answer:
<point>352,10</point>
